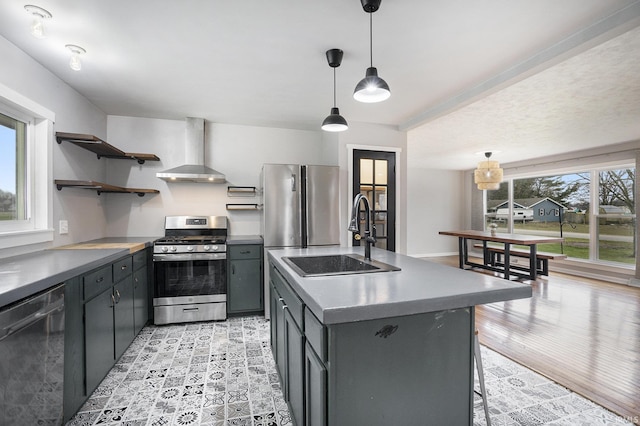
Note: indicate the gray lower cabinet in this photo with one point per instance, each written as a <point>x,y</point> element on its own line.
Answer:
<point>99,338</point>
<point>414,369</point>
<point>74,389</point>
<point>104,310</point>
<point>244,278</point>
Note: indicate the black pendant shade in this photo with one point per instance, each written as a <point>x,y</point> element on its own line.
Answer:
<point>334,122</point>
<point>371,88</point>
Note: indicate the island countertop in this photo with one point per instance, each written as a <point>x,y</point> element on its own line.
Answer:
<point>25,275</point>
<point>420,286</point>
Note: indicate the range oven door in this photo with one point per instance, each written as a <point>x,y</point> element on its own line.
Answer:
<point>188,290</point>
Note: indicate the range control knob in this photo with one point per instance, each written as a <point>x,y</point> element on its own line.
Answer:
<point>189,248</point>
<point>215,248</point>
<point>172,248</point>
<point>206,248</point>
<point>165,249</point>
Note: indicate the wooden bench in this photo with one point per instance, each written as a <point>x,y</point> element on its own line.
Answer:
<point>542,258</point>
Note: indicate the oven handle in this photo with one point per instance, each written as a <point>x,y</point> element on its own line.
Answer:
<point>188,257</point>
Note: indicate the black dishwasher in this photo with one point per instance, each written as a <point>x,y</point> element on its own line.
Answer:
<point>32,359</point>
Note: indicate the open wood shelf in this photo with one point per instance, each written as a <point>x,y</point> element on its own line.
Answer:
<point>242,191</point>
<point>100,187</point>
<point>102,148</point>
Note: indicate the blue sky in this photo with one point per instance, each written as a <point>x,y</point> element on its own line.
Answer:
<point>7,159</point>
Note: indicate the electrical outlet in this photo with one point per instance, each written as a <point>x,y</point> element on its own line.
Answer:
<point>63,227</point>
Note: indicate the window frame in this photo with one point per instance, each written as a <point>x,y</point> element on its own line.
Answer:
<point>593,168</point>
<point>38,226</point>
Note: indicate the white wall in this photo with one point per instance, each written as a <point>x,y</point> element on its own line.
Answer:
<point>435,203</point>
<point>74,113</point>
<point>235,150</point>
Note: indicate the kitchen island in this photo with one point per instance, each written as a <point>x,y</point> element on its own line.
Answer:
<point>378,348</point>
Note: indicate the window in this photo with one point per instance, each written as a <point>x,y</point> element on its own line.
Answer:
<point>13,181</point>
<point>592,210</point>
<point>26,135</point>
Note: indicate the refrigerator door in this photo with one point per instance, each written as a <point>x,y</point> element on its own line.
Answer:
<point>323,205</point>
<point>282,225</point>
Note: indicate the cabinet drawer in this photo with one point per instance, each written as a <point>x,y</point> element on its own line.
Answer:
<point>316,335</point>
<point>294,304</point>
<point>122,268</point>
<point>244,251</point>
<point>139,259</point>
<point>97,281</point>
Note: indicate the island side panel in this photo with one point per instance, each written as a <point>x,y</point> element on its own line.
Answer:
<point>415,369</point>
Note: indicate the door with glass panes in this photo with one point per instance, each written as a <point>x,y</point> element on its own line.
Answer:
<point>374,176</point>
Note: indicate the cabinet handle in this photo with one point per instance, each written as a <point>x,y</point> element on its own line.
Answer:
<point>285,307</point>
<point>245,251</point>
<point>118,294</point>
<point>99,280</point>
<point>113,300</point>
<point>123,267</point>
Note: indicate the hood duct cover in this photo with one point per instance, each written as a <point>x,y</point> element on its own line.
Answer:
<point>194,170</point>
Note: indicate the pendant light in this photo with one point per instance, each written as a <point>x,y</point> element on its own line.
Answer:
<point>334,122</point>
<point>371,88</point>
<point>488,175</point>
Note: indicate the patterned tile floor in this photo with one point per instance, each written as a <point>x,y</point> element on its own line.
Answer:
<point>222,373</point>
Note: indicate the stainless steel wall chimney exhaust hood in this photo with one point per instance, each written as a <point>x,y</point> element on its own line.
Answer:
<point>194,170</point>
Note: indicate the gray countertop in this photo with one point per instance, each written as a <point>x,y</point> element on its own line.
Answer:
<point>24,275</point>
<point>421,286</point>
<point>244,239</point>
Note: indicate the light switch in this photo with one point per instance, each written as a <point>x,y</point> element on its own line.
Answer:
<point>64,227</point>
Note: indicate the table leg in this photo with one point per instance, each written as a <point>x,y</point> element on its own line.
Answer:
<point>507,260</point>
<point>485,252</point>
<point>533,263</point>
<point>462,253</point>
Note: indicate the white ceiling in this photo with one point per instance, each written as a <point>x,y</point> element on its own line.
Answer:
<point>526,78</point>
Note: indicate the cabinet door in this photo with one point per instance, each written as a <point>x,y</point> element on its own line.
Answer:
<point>273,325</point>
<point>98,337</point>
<point>140,299</point>
<point>278,314</point>
<point>315,389</point>
<point>123,315</point>
<point>294,341</point>
<point>245,286</point>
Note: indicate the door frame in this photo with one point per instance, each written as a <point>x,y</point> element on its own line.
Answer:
<point>350,194</point>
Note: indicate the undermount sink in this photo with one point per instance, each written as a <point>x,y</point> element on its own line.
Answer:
<point>335,264</point>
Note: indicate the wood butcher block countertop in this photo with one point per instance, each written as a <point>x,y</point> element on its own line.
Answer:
<point>133,244</point>
<point>133,247</point>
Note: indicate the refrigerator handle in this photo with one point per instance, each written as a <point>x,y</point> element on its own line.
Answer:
<point>293,183</point>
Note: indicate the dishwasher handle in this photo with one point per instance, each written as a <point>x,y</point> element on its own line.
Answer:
<point>23,323</point>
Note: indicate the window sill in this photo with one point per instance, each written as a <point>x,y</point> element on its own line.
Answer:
<point>23,238</point>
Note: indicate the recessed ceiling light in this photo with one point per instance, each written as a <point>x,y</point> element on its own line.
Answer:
<point>76,51</point>
<point>37,27</point>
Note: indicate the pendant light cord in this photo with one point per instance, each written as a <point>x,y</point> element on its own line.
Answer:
<point>334,87</point>
<point>371,37</point>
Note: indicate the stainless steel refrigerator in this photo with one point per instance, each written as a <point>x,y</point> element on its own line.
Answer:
<point>300,205</point>
<point>300,208</point>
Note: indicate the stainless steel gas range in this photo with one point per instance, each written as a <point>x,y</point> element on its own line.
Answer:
<point>190,270</point>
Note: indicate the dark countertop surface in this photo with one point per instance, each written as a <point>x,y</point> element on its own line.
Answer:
<point>244,239</point>
<point>420,286</point>
<point>25,275</point>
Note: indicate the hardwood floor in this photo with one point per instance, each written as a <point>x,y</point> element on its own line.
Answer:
<point>583,334</point>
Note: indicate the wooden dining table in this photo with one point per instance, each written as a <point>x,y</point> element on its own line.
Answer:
<point>507,240</point>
